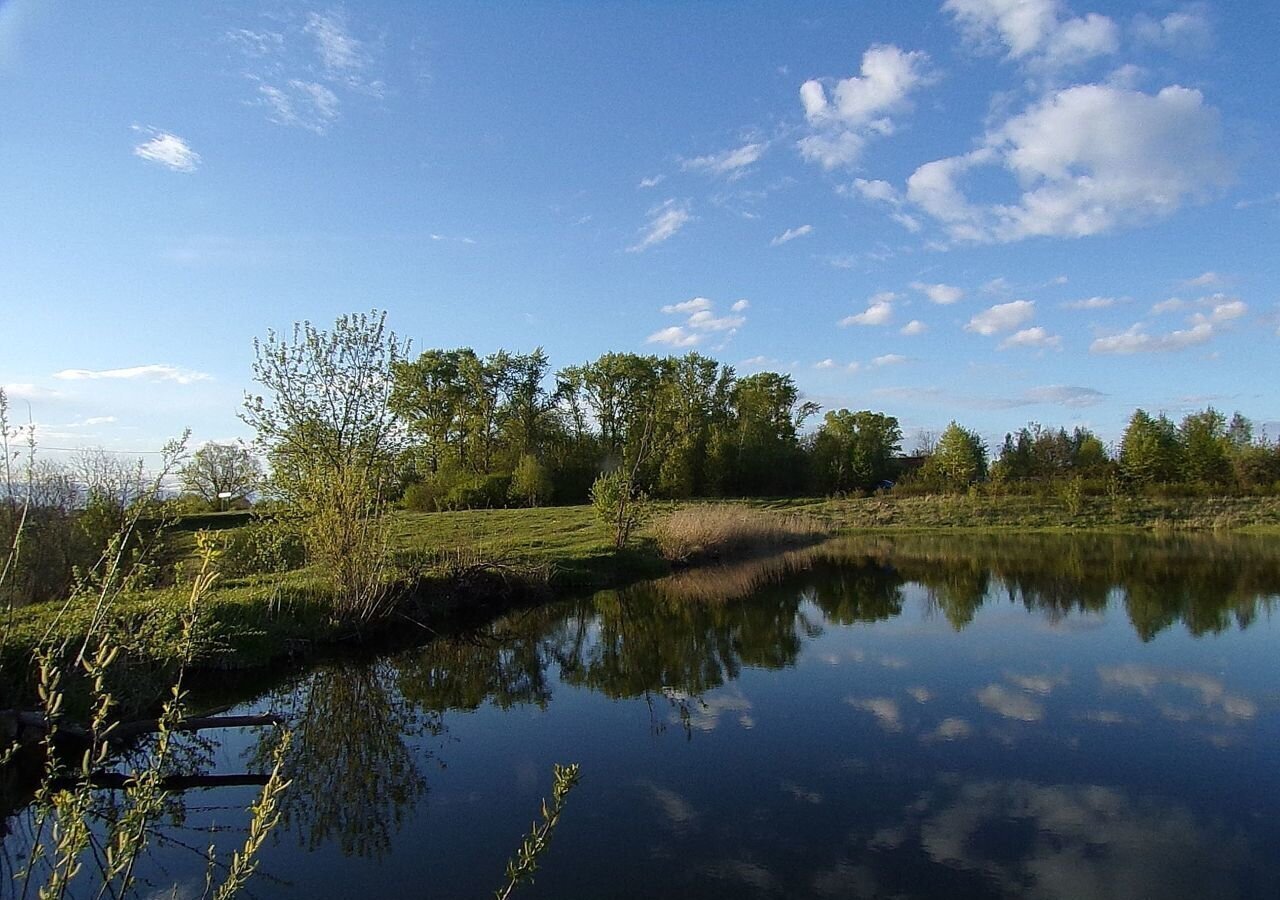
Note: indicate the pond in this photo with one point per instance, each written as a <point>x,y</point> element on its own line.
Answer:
<point>907,716</point>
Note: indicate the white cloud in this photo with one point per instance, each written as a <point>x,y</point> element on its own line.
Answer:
<point>28,391</point>
<point>827,363</point>
<point>144,373</point>
<point>305,104</point>
<point>1001,317</point>
<point>1035,31</point>
<point>914,327</point>
<point>731,162</point>
<point>888,359</point>
<point>879,311</point>
<point>343,57</point>
<point>1031,337</point>
<point>1202,327</point>
<point>256,43</point>
<point>1186,29</point>
<point>1088,159</point>
<point>298,69</point>
<point>664,221</point>
<point>1091,303</point>
<point>697,304</point>
<point>791,234</point>
<point>943,294</point>
<point>1136,339</point>
<point>168,150</point>
<point>700,322</point>
<point>858,106</point>
<point>1204,279</point>
<point>674,336</point>
<point>651,181</point>
<point>740,305</point>
<point>1071,396</point>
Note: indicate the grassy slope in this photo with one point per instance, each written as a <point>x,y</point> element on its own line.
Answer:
<point>264,617</point>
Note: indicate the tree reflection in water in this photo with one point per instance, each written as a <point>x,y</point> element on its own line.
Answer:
<point>356,767</point>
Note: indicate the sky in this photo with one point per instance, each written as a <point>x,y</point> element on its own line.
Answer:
<point>992,211</point>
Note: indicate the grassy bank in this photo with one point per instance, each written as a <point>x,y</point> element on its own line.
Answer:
<point>451,566</point>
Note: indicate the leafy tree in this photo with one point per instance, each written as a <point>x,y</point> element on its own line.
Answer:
<point>959,459</point>
<point>530,482</point>
<point>332,440</point>
<point>1205,447</point>
<point>768,413</point>
<point>217,469</point>
<point>855,450</point>
<point>1149,450</point>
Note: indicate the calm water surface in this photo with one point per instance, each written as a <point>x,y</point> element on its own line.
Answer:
<point>907,717</point>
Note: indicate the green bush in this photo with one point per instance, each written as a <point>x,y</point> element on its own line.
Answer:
<point>265,545</point>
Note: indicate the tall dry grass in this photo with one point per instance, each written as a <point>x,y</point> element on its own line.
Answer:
<point>724,529</point>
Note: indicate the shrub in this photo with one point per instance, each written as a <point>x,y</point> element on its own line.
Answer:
<point>266,545</point>
<point>530,482</point>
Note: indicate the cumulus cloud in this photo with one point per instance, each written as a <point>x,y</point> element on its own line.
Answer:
<point>1201,328</point>
<point>879,311</point>
<point>140,373</point>
<point>732,163</point>
<point>943,294</point>
<point>1088,159</point>
<point>1036,32</point>
<point>1031,337</point>
<point>791,234</point>
<point>857,108</point>
<point>878,191</point>
<point>1001,317</point>
<point>665,220</point>
<point>700,322</point>
<point>888,359</point>
<point>914,327</point>
<point>168,150</point>
<point>1186,29</point>
<point>740,305</point>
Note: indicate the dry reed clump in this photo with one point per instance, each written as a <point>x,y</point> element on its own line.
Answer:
<point>717,530</point>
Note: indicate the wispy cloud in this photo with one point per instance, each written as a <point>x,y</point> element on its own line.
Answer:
<point>664,221</point>
<point>732,163</point>
<point>1091,303</point>
<point>167,149</point>
<point>141,373</point>
<point>651,181</point>
<point>300,70</point>
<point>791,234</point>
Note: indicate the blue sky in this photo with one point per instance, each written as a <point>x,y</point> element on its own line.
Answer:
<point>996,211</point>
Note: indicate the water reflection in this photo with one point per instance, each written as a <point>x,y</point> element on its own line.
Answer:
<point>914,716</point>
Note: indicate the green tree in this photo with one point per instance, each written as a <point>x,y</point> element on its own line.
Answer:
<point>332,439</point>
<point>217,469</point>
<point>530,482</point>
<point>855,450</point>
<point>1205,448</point>
<point>1149,450</point>
<point>959,460</point>
<point>767,416</point>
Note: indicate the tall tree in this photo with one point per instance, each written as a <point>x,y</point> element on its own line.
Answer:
<point>854,450</point>
<point>1149,450</point>
<point>959,460</point>
<point>217,469</point>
